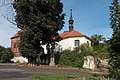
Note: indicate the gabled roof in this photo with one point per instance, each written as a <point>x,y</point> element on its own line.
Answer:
<point>16,35</point>
<point>73,33</point>
<point>65,34</point>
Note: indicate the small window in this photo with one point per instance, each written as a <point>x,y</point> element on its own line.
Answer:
<point>88,42</point>
<point>77,42</point>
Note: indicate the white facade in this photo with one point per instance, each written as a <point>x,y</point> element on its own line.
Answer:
<point>69,43</point>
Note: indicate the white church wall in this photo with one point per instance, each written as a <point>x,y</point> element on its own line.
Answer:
<point>69,43</point>
<point>45,50</point>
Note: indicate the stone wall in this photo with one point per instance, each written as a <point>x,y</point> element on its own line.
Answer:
<point>92,63</point>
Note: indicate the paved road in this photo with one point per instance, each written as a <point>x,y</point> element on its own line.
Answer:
<point>17,72</point>
<point>13,72</point>
<point>36,69</point>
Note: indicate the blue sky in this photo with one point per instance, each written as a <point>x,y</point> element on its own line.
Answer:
<point>90,17</point>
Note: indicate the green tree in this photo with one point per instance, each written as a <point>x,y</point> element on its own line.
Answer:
<point>40,20</point>
<point>101,50</point>
<point>6,55</point>
<point>100,46</point>
<point>1,49</point>
<point>114,42</point>
<point>96,39</point>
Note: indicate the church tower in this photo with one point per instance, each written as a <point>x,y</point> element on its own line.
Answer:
<point>71,21</point>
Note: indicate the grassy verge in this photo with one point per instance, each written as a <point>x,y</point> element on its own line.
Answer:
<point>50,76</point>
<point>66,77</point>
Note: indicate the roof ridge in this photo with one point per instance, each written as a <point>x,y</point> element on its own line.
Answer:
<point>72,33</point>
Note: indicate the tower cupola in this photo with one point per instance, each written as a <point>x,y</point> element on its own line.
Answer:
<point>71,21</point>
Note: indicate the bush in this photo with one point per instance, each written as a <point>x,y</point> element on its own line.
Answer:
<point>6,55</point>
<point>75,58</point>
<point>95,51</point>
<point>114,73</point>
<point>57,57</point>
<point>1,49</point>
<point>71,58</point>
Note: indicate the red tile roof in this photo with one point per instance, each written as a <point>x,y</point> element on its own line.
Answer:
<point>16,35</point>
<point>72,33</point>
<point>65,34</point>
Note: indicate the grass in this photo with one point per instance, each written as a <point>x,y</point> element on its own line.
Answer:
<point>50,76</point>
<point>85,76</point>
<point>66,77</point>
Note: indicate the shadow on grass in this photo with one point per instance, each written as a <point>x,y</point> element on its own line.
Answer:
<point>69,76</point>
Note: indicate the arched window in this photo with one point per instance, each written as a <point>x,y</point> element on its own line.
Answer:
<point>77,42</point>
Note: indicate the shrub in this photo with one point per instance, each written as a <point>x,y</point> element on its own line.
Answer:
<point>57,57</point>
<point>6,55</point>
<point>114,73</point>
<point>71,58</point>
<point>1,49</point>
<point>95,51</point>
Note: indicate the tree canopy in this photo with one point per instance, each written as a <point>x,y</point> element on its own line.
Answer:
<point>114,42</point>
<point>96,39</point>
<point>39,20</point>
<point>5,55</point>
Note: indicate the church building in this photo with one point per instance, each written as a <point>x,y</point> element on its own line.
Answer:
<point>70,39</point>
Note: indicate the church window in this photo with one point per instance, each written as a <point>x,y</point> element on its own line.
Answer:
<point>77,42</point>
<point>88,42</point>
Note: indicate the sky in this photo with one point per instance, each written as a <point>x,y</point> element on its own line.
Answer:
<point>90,17</point>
